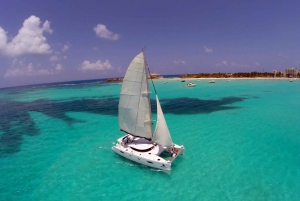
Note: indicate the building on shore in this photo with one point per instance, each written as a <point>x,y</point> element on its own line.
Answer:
<point>291,72</point>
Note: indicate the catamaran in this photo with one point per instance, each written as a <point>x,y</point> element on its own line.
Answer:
<point>140,143</point>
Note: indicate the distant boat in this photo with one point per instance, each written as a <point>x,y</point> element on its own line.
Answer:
<point>212,81</point>
<point>141,144</point>
<point>166,82</point>
<point>291,80</point>
<point>198,80</point>
<point>182,80</point>
<point>190,84</point>
<point>227,80</point>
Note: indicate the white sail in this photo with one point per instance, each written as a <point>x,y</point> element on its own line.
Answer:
<point>161,134</point>
<point>135,115</point>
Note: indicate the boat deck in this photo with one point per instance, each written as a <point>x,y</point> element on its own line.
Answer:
<point>167,156</point>
<point>143,145</point>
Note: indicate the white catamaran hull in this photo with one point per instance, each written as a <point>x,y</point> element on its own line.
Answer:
<point>135,119</point>
<point>150,156</point>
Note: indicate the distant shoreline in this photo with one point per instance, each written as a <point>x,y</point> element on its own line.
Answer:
<point>235,78</point>
<point>210,78</point>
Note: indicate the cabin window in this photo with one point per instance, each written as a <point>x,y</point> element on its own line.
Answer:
<point>149,162</point>
<point>149,153</point>
<point>122,152</point>
<point>158,159</point>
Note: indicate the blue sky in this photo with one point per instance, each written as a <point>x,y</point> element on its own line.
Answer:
<point>53,41</point>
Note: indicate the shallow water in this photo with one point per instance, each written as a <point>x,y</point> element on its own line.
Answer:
<point>241,138</point>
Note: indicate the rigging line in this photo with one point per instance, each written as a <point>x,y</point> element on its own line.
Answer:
<point>151,80</point>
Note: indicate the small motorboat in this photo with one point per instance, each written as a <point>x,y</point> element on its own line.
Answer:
<point>182,80</point>
<point>190,84</point>
<point>211,81</point>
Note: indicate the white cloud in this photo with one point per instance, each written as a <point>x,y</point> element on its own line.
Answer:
<point>100,66</point>
<point>57,58</point>
<point>23,71</point>
<point>257,64</point>
<point>233,64</point>
<point>65,48</point>
<point>208,50</point>
<point>30,39</point>
<point>3,38</point>
<point>282,55</point>
<point>20,69</point>
<point>54,58</point>
<point>103,32</point>
<point>58,67</point>
<point>46,26</point>
<point>178,62</point>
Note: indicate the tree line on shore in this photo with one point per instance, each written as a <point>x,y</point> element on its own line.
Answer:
<point>223,75</point>
<point>236,75</point>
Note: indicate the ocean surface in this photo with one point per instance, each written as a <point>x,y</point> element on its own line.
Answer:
<point>241,138</point>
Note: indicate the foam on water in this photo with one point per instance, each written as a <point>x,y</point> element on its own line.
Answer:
<point>242,141</point>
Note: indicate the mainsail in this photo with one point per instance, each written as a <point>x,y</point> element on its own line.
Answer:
<point>161,134</point>
<point>135,115</point>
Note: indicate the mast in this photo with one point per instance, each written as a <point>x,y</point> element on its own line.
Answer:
<point>147,89</point>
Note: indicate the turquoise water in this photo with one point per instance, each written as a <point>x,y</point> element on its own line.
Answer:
<point>242,141</point>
